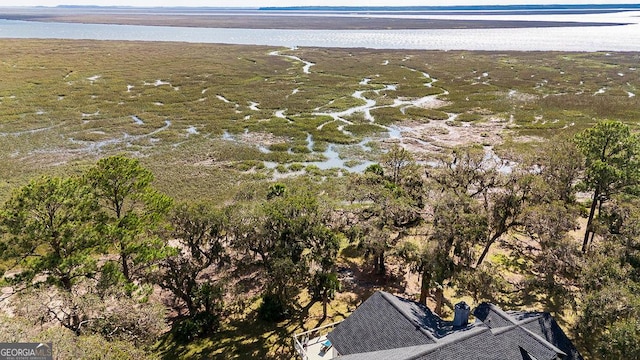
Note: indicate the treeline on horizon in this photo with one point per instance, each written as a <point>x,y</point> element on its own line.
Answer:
<point>545,7</point>
<point>530,7</point>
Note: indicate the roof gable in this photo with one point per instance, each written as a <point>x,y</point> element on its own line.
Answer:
<point>389,327</point>
<point>545,326</point>
<point>492,316</point>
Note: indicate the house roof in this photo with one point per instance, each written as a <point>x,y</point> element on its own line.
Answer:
<point>389,327</point>
<point>545,326</point>
<point>384,322</point>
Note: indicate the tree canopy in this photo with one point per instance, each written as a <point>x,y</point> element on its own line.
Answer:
<point>612,164</point>
<point>133,208</point>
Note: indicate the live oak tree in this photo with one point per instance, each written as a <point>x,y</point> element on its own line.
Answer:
<point>465,170</point>
<point>458,227</point>
<point>545,252</point>
<point>549,255</point>
<point>425,259</point>
<point>381,225</point>
<point>200,238</point>
<point>504,208</point>
<point>133,208</point>
<point>324,246</point>
<point>289,237</point>
<point>475,204</point>
<point>498,197</point>
<point>402,174</point>
<point>387,202</point>
<point>396,162</point>
<point>612,165</point>
<point>558,164</point>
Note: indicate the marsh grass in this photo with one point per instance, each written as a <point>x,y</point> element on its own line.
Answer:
<point>468,117</point>
<point>363,130</point>
<point>387,115</point>
<point>65,103</point>
<point>427,114</point>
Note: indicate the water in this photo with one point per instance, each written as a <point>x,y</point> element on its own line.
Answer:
<point>307,65</point>
<point>334,161</point>
<point>579,38</point>
<point>137,120</point>
<point>192,130</point>
<point>125,139</point>
<point>227,136</point>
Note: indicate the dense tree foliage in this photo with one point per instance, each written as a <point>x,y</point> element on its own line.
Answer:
<point>612,156</point>
<point>498,198</point>
<point>473,225</point>
<point>52,228</point>
<point>553,265</point>
<point>200,239</point>
<point>133,208</point>
<point>387,200</point>
<point>53,237</point>
<point>610,306</point>
<point>289,238</point>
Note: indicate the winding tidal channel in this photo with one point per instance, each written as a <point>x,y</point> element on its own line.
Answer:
<point>420,138</point>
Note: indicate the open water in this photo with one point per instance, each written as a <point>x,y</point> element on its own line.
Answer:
<point>573,38</point>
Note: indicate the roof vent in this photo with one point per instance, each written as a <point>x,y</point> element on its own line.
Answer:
<point>461,314</point>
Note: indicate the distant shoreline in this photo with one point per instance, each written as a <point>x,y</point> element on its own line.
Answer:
<point>472,8</point>
<point>299,23</point>
<point>308,18</point>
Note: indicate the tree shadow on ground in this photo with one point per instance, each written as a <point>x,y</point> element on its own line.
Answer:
<point>247,336</point>
<point>361,280</point>
<point>239,339</point>
<point>242,338</point>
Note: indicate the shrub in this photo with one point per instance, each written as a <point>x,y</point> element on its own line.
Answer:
<point>296,167</point>
<point>468,117</point>
<point>272,309</point>
<point>198,326</point>
<point>426,113</point>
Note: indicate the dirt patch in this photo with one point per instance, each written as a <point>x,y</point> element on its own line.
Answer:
<point>260,138</point>
<point>427,102</point>
<point>435,136</point>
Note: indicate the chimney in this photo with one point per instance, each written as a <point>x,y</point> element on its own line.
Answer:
<point>461,314</point>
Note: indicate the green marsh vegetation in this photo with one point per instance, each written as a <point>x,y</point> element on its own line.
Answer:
<point>65,103</point>
<point>218,123</point>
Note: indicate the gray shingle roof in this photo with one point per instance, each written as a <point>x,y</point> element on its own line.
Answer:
<point>383,322</point>
<point>492,316</point>
<point>545,326</point>
<point>388,327</point>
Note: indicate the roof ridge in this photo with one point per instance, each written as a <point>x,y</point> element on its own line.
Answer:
<point>391,300</point>
<point>542,341</point>
<point>473,331</point>
<point>503,314</point>
<point>531,319</point>
<point>538,338</point>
